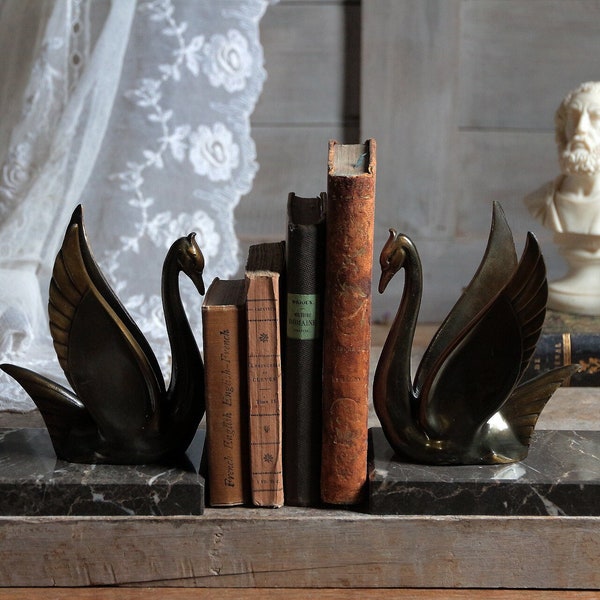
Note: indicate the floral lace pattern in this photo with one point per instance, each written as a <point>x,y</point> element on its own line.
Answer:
<point>177,155</point>
<point>216,158</point>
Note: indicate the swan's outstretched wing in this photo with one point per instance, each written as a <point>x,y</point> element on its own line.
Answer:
<point>528,293</point>
<point>525,404</point>
<point>106,291</point>
<point>495,270</point>
<point>485,363</point>
<point>103,359</point>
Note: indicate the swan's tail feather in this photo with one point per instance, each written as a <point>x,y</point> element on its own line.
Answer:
<point>75,275</point>
<point>62,411</point>
<point>523,407</point>
<point>68,286</point>
<point>528,293</point>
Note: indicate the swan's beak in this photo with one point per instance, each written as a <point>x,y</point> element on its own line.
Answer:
<point>195,272</point>
<point>384,279</point>
<point>196,277</point>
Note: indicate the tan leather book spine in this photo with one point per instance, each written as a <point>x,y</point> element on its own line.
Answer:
<point>264,387</point>
<point>224,333</point>
<point>347,320</point>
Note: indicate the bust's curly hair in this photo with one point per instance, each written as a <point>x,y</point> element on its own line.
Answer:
<point>560,117</point>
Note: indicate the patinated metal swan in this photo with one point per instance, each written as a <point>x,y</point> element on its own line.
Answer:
<point>465,405</point>
<point>120,411</point>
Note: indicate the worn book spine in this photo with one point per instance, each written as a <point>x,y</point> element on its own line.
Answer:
<point>304,350</point>
<point>558,349</point>
<point>264,387</point>
<point>347,320</point>
<point>224,336</point>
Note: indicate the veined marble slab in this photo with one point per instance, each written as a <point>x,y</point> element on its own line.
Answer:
<point>33,482</point>
<point>559,477</point>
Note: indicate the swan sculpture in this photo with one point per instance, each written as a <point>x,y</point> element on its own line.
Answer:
<point>120,411</point>
<point>465,405</point>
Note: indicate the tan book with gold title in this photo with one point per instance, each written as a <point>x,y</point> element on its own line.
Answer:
<point>224,333</point>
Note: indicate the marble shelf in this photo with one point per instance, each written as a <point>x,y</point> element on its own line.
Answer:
<point>559,477</point>
<point>33,482</point>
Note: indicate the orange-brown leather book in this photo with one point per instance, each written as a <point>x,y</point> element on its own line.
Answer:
<point>347,320</point>
<point>264,269</point>
<point>224,335</point>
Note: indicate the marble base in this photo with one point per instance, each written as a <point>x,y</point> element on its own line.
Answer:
<point>559,477</point>
<point>33,482</point>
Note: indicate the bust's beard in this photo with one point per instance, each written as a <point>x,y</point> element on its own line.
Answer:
<point>580,161</point>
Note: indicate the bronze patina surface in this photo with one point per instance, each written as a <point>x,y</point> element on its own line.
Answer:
<point>120,410</point>
<point>465,405</point>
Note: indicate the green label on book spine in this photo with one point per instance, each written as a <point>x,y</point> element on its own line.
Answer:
<point>303,316</point>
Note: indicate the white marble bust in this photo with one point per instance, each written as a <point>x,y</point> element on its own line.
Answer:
<point>570,204</point>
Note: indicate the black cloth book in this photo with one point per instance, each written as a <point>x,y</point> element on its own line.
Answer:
<point>304,350</point>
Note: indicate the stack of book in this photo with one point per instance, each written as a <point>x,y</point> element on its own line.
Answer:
<point>286,352</point>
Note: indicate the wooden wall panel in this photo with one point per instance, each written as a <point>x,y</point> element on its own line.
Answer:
<point>292,159</point>
<point>518,59</point>
<point>408,100</point>
<point>461,98</point>
<point>310,51</point>
<point>501,165</point>
<point>408,104</point>
<point>312,58</point>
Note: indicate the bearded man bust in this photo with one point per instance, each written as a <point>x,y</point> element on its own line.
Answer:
<point>570,204</point>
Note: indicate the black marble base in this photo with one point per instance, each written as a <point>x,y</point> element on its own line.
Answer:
<point>33,482</point>
<point>560,476</point>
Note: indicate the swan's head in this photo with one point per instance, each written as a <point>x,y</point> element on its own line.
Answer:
<point>392,257</point>
<point>191,260</point>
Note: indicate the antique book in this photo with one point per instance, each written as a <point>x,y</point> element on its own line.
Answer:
<point>302,405</point>
<point>568,339</point>
<point>265,269</point>
<point>224,336</point>
<point>558,349</point>
<point>347,320</point>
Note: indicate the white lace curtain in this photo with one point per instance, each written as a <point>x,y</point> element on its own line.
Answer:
<point>139,111</point>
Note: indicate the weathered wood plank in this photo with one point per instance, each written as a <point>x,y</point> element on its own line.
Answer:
<point>518,59</point>
<point>287,593</point>
<point>302,548</point>
<point>311,56</point>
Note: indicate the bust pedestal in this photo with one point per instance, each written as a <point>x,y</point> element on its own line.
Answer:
<point>579,290</point>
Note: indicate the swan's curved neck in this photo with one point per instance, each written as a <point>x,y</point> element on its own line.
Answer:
<point>184,351</point>
<point>393,393</point>
<point>402,331</point>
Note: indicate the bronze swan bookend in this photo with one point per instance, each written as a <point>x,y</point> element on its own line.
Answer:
<point>465,404</point>
<point>120,410</point>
